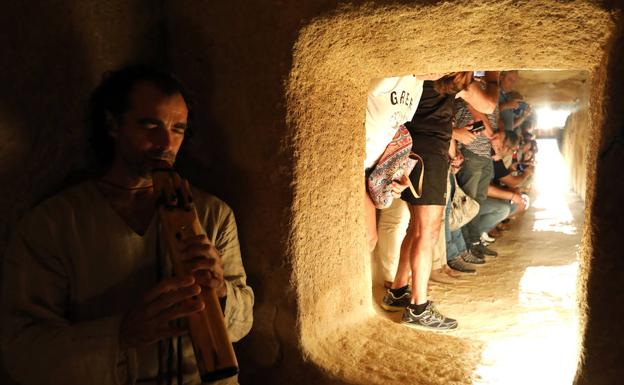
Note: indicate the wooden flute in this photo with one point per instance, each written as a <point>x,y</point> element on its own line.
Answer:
<point>213,349</point>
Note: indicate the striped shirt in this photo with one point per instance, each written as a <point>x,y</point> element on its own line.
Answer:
<point>481,145</point>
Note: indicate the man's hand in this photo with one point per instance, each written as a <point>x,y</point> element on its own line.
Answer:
<point>201,258</point>
<point>399,185</point>
<point>148,322</point>
<point>462,135</point>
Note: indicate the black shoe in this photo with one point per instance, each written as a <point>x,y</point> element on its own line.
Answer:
<point>392,303</point>
<point>468,257</point>
<point>479,250</point>
<point>488,252</point>
<point>458,264</point>
<point>429,319</point>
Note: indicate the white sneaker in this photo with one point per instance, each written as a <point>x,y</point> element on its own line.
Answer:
<point>487,239</point>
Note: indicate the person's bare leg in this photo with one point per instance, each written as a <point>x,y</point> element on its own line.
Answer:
<point>370,218</point>
<point>427,221</point>
<point>404,269</point>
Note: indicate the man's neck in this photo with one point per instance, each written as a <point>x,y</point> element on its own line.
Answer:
<point>132,197</point>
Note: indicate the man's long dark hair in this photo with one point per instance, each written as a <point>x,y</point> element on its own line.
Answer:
<point>110,101</point>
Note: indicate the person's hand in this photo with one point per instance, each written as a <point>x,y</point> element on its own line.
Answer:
<point>517,199</point>
<point>399,185</point>
<point>201,258</point>
<point>457,161</point>
<point>462,135</point>
<point>148,322</point>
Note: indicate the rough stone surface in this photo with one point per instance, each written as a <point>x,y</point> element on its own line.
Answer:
<point>336,53</point>
<point>574,146</point>
<point>280,90</point>
<point>554,88</point>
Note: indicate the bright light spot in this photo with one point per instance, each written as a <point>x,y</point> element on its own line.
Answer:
<point>552,211</point>
<point>547,307</point>
<point>547,118</point>
<point>540,341</point>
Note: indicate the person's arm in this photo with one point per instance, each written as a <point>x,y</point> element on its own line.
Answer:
<point>499,193</point>
<point>482,100</point>
<point>239,298</point>
<point>40,343</point>
<point>463,135</point>
<point>514,181</point>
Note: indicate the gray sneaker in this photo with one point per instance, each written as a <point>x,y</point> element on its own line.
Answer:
<point>430,319</point>
<point>468,257</point>
<point>480,250</point>
<point>458,264</point>
<point>392,303</point>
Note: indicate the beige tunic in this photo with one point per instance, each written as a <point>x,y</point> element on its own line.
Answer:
<point>74,267</point>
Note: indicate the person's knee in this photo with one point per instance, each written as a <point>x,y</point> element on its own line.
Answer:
<point>434,236</point>
<point>430,233</point>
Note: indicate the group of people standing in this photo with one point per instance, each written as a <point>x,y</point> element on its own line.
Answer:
<point>467,128</point>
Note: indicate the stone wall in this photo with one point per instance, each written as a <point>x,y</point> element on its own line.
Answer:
<point>280,91</point>
<point>574,147</point>
<point>602,256</point>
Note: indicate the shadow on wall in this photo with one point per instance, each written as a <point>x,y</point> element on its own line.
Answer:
<point>212,160</point>
<point>235,55</point>
<point>45,78</point>
<point>603,336</point>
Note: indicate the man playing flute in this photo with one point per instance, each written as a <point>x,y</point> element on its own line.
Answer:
<point>88,293</point>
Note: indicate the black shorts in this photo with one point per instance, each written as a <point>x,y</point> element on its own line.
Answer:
<point>434,181</point>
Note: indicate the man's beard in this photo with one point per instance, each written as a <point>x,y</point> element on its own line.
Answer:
<point>142,166</point>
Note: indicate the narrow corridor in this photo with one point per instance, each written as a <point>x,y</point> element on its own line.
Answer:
<point>522,305</point>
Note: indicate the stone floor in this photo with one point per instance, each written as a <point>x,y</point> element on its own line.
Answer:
<point>522,305</point>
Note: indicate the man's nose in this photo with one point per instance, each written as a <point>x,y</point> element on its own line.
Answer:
<point>164,139</point>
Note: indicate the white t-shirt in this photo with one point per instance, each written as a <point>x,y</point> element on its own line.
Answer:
<point>391,102</point>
